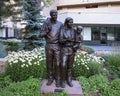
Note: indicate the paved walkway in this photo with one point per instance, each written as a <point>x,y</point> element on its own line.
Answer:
<point>102,48</point>
<point>105,49</point>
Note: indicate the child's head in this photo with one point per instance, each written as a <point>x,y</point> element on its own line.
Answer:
<point>79,29</point>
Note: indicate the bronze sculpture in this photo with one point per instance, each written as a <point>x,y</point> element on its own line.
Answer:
<point>68,49</point>
<point>62,41</point>
<point>50,31</point>
<point>79,37</point>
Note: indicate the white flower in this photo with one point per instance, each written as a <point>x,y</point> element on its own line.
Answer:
<point>26,65</point>
<point>10,63</point>
<point>29,63</point>
<point>16,61</point>
<point>22,65</point>
<point>87,68</point>
<point>26,57</point>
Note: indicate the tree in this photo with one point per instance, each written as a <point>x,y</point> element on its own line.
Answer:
<point>31,15</point>
<point>2,9</point>
<point>7,8</point>
<point>33,19</point>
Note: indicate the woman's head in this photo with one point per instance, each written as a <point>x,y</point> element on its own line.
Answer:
<point>68,22</point>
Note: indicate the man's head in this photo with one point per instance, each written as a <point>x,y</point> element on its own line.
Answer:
<point>79,29</point>
<point>53,14</point>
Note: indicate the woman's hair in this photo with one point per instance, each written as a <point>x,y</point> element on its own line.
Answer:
<point>67,20</point>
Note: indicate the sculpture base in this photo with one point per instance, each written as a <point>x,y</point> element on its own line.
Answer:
<point>76,90</point>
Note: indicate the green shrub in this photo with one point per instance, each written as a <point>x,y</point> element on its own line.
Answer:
<point>115,84</point>
<point>87,65</point>
<point>63,93</point>
<point>88,49</point>
<point>93,84</point>
<point>105,56</point>
<point>110,92</point>
<point>94,68</point>
<point>11,46</point>
<point>4,81</point>
<point>30,87</point>
<point>113,89</point>
<point>84,84</point>
<point>99,84</point>
<point>23,64</point>
<point>3,51</point>
<point>114,64</point>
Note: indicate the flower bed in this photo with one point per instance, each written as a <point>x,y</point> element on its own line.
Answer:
<point>87,65</point>
<point>23,64</point>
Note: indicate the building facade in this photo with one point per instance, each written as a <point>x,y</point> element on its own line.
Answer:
<point>6,29</point>
<point>99,18</point>
<point>10,29</point>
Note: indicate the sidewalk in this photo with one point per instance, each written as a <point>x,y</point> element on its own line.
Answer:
<point>102,48</point>
<point>105,49</point>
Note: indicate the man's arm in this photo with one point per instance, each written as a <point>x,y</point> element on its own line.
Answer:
<point>62,39</point>
<point>44,30</point>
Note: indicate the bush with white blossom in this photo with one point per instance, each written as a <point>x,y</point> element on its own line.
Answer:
<point>87,64</point>
<point>23,64</point>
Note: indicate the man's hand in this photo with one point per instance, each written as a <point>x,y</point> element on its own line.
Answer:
<point>75,47</point>
<point>49,28</point>
<point>63,41</point>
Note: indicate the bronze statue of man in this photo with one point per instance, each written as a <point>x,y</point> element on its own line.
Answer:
<point>68,49</point>
<point>51,31</point>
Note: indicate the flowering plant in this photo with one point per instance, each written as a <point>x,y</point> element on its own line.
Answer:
<point>23,64</point>
<point>86,64</point>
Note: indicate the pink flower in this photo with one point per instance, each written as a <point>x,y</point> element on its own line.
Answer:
<point>81,49</point>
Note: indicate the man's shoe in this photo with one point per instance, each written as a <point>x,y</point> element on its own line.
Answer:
<point>63,84</point>
<point>70,84</point>
<point>57,83</point>
<point>50,81</point>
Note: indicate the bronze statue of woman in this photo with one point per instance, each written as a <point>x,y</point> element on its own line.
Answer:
<point>67,42</point>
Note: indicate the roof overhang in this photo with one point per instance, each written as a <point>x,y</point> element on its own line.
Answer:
<point>87,3</point>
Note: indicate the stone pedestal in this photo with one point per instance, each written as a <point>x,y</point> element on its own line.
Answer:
<point>2,65</point>
<point>76,90</point>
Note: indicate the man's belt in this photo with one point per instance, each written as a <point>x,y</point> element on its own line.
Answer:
<point>68,46</point>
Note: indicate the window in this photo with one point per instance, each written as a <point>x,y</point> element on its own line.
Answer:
<point>95,33</point>
<point>117,34</point>
<point>110,33</point>
<point>92,6</point>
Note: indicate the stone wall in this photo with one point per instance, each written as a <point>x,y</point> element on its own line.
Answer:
<point>2,64</point>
